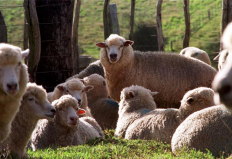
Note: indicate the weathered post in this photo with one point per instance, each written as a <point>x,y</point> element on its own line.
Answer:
<point>3,29</point>
<point>113,19</point>
<point>132,15</point>
<point>160,36</point>
<point>226,13</point>
<point>105,19</point>
<point>187,24</point>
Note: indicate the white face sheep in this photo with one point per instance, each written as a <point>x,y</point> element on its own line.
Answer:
<point>13,80</point>
<point>196,53</point>
<point>135,102</point>
<point>171,75</point>
<point>34,106</point>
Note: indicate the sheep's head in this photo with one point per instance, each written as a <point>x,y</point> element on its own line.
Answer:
<point>114,46</point>
<point>136,97</point>
<point>67,111</point>
<point>35,99</point>
<point>75,88</point>
<point>221,58</point>
<point>197,99</point>
<point>11,58</point>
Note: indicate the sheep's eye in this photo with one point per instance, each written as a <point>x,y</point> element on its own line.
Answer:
<point>190,100</point>
<point>31,99</point>
<point>67,91</point>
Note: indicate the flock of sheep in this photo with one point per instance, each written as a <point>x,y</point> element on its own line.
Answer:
<point>150,96</point>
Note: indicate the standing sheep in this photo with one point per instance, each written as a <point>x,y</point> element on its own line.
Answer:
<point>169,74</point>
<point>160,124</point>
<point>135,102</point>
<point>196,53</point>
<point>66,129</point>
<point>208,129</point>
<point>75,88</point>
<point>221,58</point>
<point>34,106</point>
<point>103,109</point>
<point>13,80</point>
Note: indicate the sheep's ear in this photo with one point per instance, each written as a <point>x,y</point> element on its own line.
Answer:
<point>61,87</point>
<point>128,42</point>
<point>130,95</point>
<point>101,45</point>
<point>217,57</point>
<point>25,53</point>
<point>88,88</point>
<point>81,112</point>
<point>182,52</point>
<point>190,100</point>
<point>154,93</point>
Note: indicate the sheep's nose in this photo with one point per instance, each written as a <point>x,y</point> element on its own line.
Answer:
<point>113,56</point>
<point>12,86</point>
<point>79,101</point>
<point>73,120</point>
<point>53,111</point>
<point>223,89</point>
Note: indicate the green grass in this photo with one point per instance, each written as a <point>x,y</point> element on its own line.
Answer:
<point>112,147</point>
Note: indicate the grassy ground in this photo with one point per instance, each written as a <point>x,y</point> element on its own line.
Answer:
<point>114,148</point>
<point>205,22</point>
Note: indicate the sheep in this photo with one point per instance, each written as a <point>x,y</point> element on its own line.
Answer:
<point>103,109</point>
<point>226,38</point>
<point>221,58</point>
<point>160,124</point>
<point>34,106</point>
<point>135,102</point>
<point>94,67</point>
<point>13,80</point>
<point>66,129</point>
<point>196,53</point>
<point>76,88</point>
<point>207,129</point>
<point>171,75</point>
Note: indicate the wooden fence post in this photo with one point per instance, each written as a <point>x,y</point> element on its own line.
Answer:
<point>75,26</point>
<point>226,13</point>
<point>113,19</point>
<point>160,36</point>
<point>105,19</point>
<point>132,15</point>
<point>34,37</point>
<point>3,29</point>
<point>187,24</point>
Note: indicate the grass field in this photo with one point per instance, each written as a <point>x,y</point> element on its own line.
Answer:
<point>115,148</point>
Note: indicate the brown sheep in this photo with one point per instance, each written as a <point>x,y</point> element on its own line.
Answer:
<point>171,75</point>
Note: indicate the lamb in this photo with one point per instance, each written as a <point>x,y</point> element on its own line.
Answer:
<point>169,74</point>
<point>208,129</point>
<point>13,80</point>
<point>135,102</point>
<point>196,53</point>
<point>66,129</point>
<point>160,124</point>
<point>221,58</point>
<point>34,106</point>
<point>103,109</point>
<point>75,88</point>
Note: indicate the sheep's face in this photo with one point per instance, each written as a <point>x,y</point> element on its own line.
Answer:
<point>10,67</point>
<point>114,46</point>
<point>221,58</point>
<point>222,85</point>
<point>197,99</point>
<point>40,106</point>
<point>68,116</point>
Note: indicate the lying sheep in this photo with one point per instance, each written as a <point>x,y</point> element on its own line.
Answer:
<point>66,129</point>
<point>169,74</point>
<point>196,53</point>
<point>75,88</point>
<point>208,129</point>
<point>13,80</point>
<point>103,109</point>
<point>221,58</point>
<point>135,102</point>
<point>94,67</point>
<point>160,124</point>
<point>34,106</point>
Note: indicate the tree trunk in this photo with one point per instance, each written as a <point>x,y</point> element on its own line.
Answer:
<point>55,23</point>
<point>132,19</point>
<point>160,36</point>
<point>34,38</point>
<point>3,29</point>
<point>227,13</point>
<point>105,19</point>
<point>75,50</point>
<point>187,24</point>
